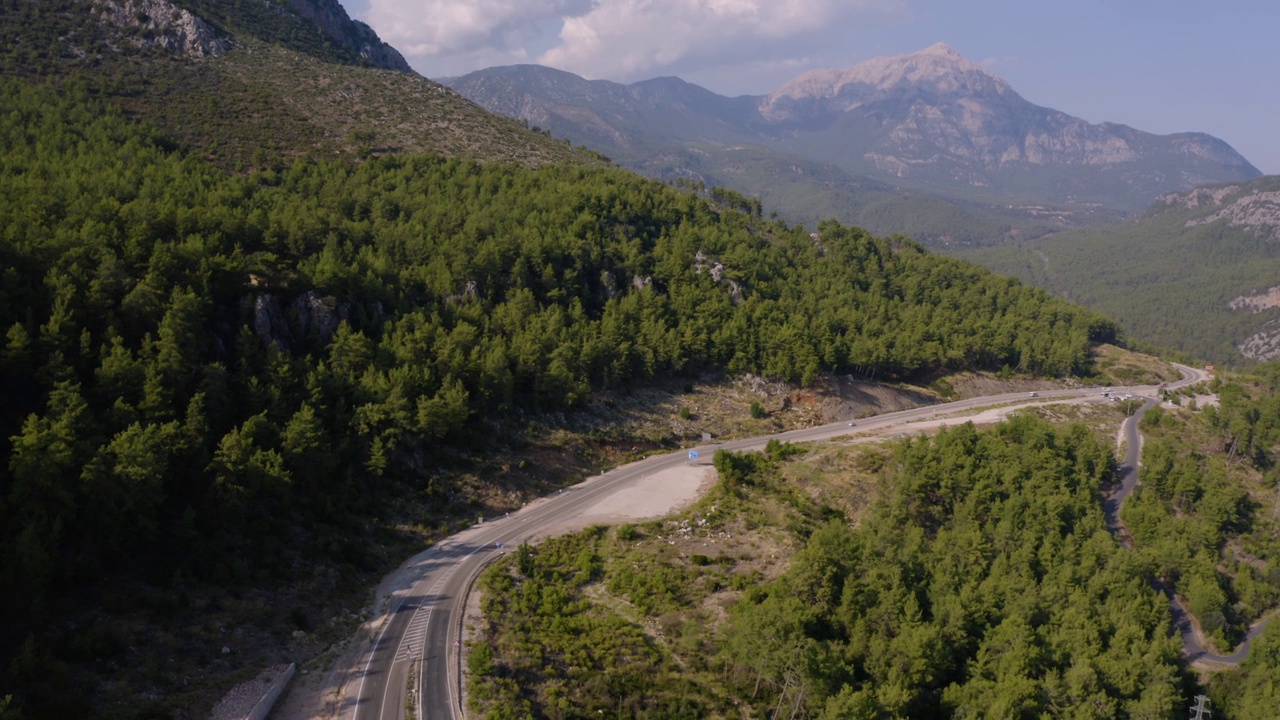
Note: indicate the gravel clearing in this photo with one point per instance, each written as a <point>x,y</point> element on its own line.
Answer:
<point>237,704</point>
<point>657,495</point>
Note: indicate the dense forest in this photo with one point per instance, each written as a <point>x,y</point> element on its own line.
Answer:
<point>208,376</point>
<point>980,582</point>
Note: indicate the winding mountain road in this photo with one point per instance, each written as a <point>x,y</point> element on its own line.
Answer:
<point>412,668</point>
<point>1192,642</point>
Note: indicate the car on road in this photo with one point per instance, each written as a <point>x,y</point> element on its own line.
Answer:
<point>1035,394</point>
<point>852,423</point>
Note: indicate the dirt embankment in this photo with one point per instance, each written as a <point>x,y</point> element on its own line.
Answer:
<point>842,397</point>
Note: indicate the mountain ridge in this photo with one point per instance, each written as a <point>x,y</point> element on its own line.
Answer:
<point>929,121</point>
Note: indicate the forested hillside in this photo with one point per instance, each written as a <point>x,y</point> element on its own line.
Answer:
<point>1196,272</point>
<point>260,82</point>
<point>225,378</point>
<point>966,575</point>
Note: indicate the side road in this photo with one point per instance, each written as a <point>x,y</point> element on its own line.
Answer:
<point>1188,626</point>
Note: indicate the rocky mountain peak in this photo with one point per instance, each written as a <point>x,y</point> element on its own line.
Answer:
<point>939,48</point>
<point>937,70</point>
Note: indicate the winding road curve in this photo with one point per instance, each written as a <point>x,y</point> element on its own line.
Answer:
<point>1192,643</point>
<point>412,668</point>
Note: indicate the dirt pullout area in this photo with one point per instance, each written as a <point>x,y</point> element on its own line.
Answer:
<point>658,495</point>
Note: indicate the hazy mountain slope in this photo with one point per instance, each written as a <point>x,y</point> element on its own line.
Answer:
<point>625,120</point>
<point>1198,271</point>
<point>667,128</point>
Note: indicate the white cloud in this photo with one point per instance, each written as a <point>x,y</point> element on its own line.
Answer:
<point>626,39</point>
<point>440,28</point>
<point>995,64</point>
<point>616,39</point>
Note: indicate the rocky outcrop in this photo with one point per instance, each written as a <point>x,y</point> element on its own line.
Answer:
<point>713,267</point>
<point>1258,212</point>
<point>1264,344</point>
<point>316,317</point>
<point>1257,302</point>
<point>311,319</point>
<point>334,21</point>
<point>1253,207</point>
<point>1199,197</point>
<point>158,23</point>
<point>269,325</point>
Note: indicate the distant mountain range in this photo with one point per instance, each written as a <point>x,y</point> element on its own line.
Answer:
<point>888,129</point>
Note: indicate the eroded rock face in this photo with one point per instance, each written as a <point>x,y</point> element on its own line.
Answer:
<point>1258,212</point>
<point>163,24</point>
<point>1200,197</point>
<point>269,324</point>
<point>317,317</point>
<point>1264,344</point>
<point>335,22</point>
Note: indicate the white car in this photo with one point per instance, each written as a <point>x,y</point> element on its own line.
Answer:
<point>1035,394</point>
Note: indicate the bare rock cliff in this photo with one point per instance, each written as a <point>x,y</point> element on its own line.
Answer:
<point>159,23</point>
<point>1251,208</point>
<point>333,19</point>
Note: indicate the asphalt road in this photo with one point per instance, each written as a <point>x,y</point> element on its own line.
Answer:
<point>1192,647</point>
<point>420,635</point>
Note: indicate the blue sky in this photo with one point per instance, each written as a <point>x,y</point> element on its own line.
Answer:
<point>1208,66</point>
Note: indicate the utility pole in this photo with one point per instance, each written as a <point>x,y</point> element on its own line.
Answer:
<point>1201,710</point>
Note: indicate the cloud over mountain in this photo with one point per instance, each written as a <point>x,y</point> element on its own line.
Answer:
<point>612,38</point>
